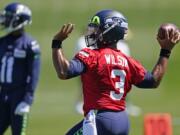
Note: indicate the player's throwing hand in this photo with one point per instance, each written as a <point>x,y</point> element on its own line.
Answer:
<point>168,35</point>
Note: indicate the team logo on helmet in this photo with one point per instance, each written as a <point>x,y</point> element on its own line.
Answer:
<point>95,20</point>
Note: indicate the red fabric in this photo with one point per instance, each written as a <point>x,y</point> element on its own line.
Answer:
<point>108,72</point>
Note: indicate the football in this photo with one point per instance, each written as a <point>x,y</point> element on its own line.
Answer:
<point>164,27</point>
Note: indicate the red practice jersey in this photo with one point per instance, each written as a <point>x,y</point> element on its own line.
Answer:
<point>108,78</point>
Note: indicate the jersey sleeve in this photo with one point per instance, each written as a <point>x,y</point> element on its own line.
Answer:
<point>33,59</point>
<point>88,57</point>
<point>137,71</point>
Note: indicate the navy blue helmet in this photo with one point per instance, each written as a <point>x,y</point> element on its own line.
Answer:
<point>106,27</point>
<point>14,17</point>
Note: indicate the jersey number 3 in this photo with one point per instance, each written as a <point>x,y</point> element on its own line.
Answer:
<point>118,85</point>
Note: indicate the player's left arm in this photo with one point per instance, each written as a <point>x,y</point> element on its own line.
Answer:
<point>33,70</point>
<point>153,79</point>
<point>34,62</point>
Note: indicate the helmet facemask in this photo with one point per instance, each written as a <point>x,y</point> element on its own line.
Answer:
<point>91,37</point>
<point>2,20</point>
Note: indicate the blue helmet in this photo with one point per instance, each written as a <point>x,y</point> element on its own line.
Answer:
<point>106,27</point>
<point>15,16</point>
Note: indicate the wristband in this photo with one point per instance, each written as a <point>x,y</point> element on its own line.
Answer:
<point>56,44</point>
<point>165,53</point>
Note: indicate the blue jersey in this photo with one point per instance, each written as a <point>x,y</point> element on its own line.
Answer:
<point>20,63</point>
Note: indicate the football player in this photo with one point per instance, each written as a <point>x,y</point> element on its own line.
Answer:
<point>19,68</point>
<point>107,74</point>
<point>122,45</point>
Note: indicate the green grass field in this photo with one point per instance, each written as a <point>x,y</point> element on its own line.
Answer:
<point>53,109</point>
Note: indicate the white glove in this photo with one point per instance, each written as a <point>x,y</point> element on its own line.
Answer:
<point>89,124</point>
<point>22,108</point>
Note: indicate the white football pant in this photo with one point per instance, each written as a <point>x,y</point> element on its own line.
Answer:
<point>89,124</point>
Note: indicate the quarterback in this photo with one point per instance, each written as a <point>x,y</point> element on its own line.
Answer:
<point>107,74</point>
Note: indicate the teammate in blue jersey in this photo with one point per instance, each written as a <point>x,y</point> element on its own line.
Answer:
<point>19,68</point>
